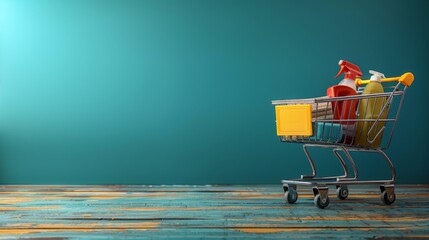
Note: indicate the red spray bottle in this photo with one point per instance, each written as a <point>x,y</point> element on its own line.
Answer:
<point>345,110</point>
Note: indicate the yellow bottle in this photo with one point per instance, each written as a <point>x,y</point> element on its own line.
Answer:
<point>370,109</point>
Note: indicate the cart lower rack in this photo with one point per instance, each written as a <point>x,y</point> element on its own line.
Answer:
<point>366,124</point>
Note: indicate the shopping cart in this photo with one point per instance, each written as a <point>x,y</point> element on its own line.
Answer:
<point>312,122</point>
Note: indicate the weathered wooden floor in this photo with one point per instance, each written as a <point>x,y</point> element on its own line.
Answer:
<point>138,212</point>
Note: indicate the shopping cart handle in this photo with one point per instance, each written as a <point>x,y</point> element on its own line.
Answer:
<point>406,79</point>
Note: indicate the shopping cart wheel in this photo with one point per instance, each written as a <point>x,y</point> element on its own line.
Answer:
<point>321,203</point>
<point>291,195</point>
<point>388,194</point>
<point>388,199</point>
<point>342,192</point>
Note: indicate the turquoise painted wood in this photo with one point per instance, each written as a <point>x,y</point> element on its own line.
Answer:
<point>177,212</point>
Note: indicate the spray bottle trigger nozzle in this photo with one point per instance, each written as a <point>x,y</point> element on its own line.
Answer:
<point>340,72</point>
<point>379,74</point>
<point>376,76</point>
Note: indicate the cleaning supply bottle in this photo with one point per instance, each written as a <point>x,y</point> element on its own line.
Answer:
<point>345,110</point>
<point>351,72</point>
<point>370,109</point>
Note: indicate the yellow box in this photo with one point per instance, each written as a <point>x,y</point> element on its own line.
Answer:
<point>294,120</point>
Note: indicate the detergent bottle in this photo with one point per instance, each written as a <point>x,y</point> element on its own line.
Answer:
<point>345,110</point>
<point>370,109</point>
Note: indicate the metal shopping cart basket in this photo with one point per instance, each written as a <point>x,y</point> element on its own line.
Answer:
<point>312,122</point>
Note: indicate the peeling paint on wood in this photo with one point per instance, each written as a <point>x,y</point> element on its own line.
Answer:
<point>135,212</point>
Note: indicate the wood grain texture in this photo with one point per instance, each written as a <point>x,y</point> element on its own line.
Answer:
<point>177,212</point>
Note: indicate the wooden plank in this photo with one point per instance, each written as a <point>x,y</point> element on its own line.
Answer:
<point>206,211</point>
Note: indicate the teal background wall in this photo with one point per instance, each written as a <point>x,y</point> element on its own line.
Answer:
<point>178,92</point>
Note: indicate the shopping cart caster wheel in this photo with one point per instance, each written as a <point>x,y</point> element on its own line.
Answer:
<point>342,192</point>
<point>291,196</point>
<point>321,203</point>
<point>388,199</point>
